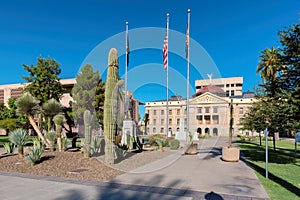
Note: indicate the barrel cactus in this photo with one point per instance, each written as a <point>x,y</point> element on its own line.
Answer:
<point>110,106</point>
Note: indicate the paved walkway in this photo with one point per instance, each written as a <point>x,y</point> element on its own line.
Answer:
<point>178,176</point>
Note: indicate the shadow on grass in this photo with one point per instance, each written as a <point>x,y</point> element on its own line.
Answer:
<point>275,178</point>
<point>257,153</point>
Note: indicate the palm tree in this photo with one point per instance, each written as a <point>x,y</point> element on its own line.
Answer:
<point>269,64</point>
<point>29,106</point>
<point>50,109</point>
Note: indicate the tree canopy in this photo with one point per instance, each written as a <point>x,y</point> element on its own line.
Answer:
<point>43,79</point>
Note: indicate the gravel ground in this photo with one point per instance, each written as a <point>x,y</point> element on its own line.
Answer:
<point>74,165</point>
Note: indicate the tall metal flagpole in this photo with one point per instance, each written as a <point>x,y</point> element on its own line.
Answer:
<point>126,75</point>
<point>188,78</point>
<point>167,79</point>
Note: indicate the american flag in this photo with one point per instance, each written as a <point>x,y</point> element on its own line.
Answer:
<point>165,51</point>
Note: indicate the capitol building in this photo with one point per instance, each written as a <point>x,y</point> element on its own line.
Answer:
<point>209,109</point>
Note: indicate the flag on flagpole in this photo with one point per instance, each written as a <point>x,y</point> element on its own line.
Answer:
<point>165,50</point>
<point>187,40</point>
<point>127,48</point>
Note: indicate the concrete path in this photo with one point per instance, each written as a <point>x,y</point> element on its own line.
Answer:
<point>178,176</point>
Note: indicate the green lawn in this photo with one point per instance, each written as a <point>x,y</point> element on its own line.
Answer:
<point>284,168</point>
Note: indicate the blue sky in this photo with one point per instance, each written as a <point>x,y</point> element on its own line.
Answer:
<point>232,33</point>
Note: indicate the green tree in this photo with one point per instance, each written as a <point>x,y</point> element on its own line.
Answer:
<point>84,92</point>
<point>43,79</point>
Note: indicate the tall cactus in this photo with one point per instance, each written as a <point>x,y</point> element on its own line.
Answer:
<point>110,106</point>
<point>87,118</point>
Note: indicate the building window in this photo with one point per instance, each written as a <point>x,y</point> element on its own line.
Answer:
<point>227,93</point>
<point>162,121</point>
<point>170,121</point>
<point>216,119</point>
<point>232,93</point>
<point>185,111</point>
<point>170,112</point>
<point>177,121</point>
<point>178,111</point>
<point>154,130</point>
<point>215,109</point>
<point>154,121</point>
<point>154,112</point>
<point>227,85</point>
<point>199,110</point>
<point>232,85</point>
<point>185,121</point>
<point>239,85</point>
<point>241,111</point>
<point>162,112</point>
<point>241,120</point>
<point>200,119</point>
<point>207,119</point>
<point>206,109</point>
<point>162,130</point>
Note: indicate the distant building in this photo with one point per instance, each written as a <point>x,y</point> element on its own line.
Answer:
<point>208,111</point>
<point>16,90</point>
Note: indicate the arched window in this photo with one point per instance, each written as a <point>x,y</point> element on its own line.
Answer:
<point>154,130</point>
<point>206,131</point>
<point>215,132</point>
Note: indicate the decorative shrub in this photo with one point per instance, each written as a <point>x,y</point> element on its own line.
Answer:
<point>34,154</point>
<point>162,142</point>
<point>174,144</point>
<point>153,138</point>
<point>20,138</point>
<point>9,147</point>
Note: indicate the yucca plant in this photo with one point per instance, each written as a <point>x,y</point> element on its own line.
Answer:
<point>51,137</point>
<point>9,147</point>
<point>59,120</point>
<point>34,154</point>
<point>20,138</point>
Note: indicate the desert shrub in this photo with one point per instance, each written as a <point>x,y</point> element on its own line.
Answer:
<point>153,138</point>
<point>9,147</point>
<point>174,144</point>
<point>34,154</point>
<point>95,144</point>
<point>162,142</point>
<point>51,137</point>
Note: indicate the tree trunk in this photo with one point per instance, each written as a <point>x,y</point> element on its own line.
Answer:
<point>274,143</point>
<point>37,130</point>
<point>21,151</point>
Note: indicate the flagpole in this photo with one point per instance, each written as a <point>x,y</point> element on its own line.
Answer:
<point>126,72</point>
<point>188,79</point>
<point>167,80</point>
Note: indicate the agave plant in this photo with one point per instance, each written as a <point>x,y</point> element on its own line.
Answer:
<point>34,154</point>
<point>20,138</point>
<point>9,147</point>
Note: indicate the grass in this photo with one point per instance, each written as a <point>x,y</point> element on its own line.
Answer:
<point>284,168</point>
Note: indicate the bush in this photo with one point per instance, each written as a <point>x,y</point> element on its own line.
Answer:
<point>174,144</point>
<point>153,138</point>
<point>34,154</point>
<point>162,142</point>
<point>9,147</point>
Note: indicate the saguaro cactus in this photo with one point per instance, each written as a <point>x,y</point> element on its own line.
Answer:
<point>110,106</point>
<point>87,118</point>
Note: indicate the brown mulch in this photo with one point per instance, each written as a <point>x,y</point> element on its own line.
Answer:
<point>74,165</point>
<point>60,164</point>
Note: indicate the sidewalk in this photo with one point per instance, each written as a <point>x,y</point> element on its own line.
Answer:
<point>178,176</point>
